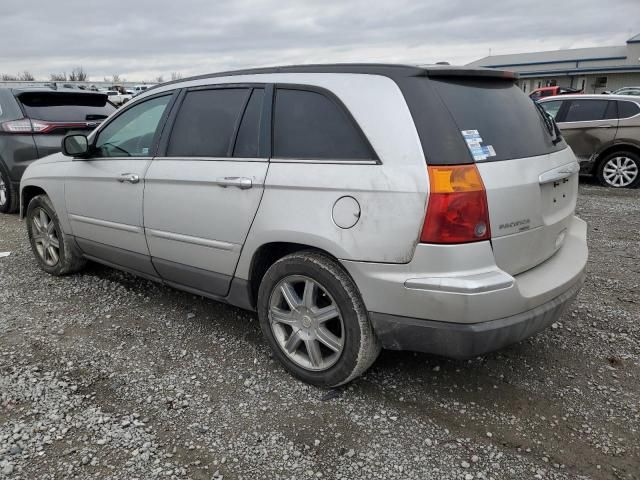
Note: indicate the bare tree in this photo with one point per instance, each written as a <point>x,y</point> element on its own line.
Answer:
<point>6,77</point>
<point>176,75</point>
<point>58,77</point>
<point>115,78</point>
<point>26,76</point>
<point>159,79</point>
<point>78,75</point>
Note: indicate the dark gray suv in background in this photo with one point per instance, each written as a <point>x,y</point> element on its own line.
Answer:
<point>33,122</point>
<point>604,133</point>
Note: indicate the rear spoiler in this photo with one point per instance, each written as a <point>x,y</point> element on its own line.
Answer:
<point>447,71</point>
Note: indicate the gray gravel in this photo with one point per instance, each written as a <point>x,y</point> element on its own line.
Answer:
<point>104,375</point>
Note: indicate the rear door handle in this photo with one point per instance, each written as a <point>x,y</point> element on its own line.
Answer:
<point>604,126</point>
<point>128,177</point>
<point>242,183</point>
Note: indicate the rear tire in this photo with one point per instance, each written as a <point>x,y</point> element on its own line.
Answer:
<point>335,342</point>
<point>8,194</point>
<point>54,251</point>
<point>619,170</point>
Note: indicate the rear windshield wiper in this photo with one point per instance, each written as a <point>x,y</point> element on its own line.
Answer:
<point>550,123</point>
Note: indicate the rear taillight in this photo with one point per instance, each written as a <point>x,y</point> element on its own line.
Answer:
<point>457,211</point>
<point>25,125</point>
<point>17,126</point>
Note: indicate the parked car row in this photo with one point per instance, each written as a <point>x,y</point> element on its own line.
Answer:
<point>544,92</point>
<point>604,133</point>
<point>33,122</point>
<point>327,199</point>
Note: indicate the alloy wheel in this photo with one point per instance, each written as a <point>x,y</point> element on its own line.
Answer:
<point>306,323</point>
<point>620,171</point>
<point>45,237</point>
<point>3,192</point>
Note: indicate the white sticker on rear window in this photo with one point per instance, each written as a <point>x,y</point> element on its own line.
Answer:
<point>474,144</point>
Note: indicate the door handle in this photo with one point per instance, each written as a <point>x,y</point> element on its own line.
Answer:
<point>605,126</point>
<point>128,177</point>
<point>242,183</point>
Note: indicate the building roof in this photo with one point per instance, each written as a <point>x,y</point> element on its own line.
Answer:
<point>553,56</point>
<point>634,39</point>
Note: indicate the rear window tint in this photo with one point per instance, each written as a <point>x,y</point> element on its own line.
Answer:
<point>508,123</point>
<point>249,132</point>
<point>206,122</point>
<point>310,125</point>
<point>65,107</point>
<point>586,110</point>
<point>627,109</point>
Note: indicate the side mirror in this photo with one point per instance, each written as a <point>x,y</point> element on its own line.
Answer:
<point>75,146</point>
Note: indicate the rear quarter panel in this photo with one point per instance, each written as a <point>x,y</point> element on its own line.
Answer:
<point>17,152</point>
<point>299,195</point>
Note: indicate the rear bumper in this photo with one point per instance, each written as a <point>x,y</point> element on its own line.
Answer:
<point>457,340</point>
<point>454,300</point>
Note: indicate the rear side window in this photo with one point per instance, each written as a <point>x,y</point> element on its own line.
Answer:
<point>311,125</point>
<point>206,123</point>
<point>9,109</point>
<point>495,118</point>
<point>586,110</point>
<point>247,141</point>
<point>627,109</point>
<point>65,106</point>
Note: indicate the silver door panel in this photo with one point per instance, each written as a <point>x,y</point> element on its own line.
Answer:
<point>197,212</point>
<point>103,209</point>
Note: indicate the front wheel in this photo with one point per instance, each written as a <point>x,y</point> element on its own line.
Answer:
<point>620,170</point>
<point>53,250</point>
<point>314,320</point>
<point>8,194</point>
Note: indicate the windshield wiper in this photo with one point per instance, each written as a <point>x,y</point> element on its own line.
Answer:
<point>116,147</point>
<point>550,123</point>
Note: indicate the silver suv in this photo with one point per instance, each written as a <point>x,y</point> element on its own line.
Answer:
<point>354,207</point>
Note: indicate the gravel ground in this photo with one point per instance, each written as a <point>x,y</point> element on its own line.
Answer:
<point>104,375</point>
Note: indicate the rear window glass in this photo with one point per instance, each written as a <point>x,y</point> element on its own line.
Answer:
<point>496,119</point>
<point>310,125</point>
<point>65,107</point>
<point>627,109</point>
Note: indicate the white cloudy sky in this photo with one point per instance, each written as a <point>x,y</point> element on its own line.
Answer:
<point>146,38</point>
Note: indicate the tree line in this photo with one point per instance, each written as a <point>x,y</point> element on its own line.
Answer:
<point>78,74</point>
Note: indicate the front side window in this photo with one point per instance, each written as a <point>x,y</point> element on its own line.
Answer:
<point>586,110</point>
<point>552,108</point>
<point>310,125</point>
<point>206,123</point>
<point>131,134</point>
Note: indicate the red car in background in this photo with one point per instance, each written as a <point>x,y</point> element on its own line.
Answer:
<point>542,92</point>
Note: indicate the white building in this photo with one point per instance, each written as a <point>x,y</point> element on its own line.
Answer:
<point>593,70</point>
